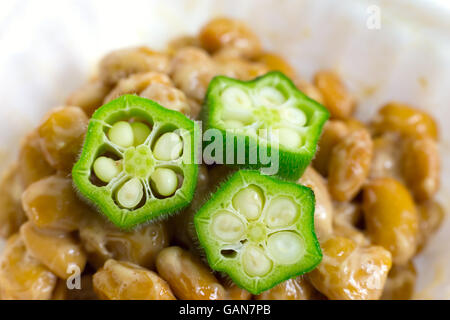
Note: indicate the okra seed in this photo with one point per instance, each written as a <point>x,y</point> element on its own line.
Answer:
<point>270,97</point>
<point>227,227</point>
<point>236,98</point>
<point>237,105</point>
<point>285,247</point>
<point>140,132</point>
<point>130,194</point>
<point>268,134</point>
<point>233,124</point>
<point>255,262</point>
<point>289,138</point>
<point>121,134</point>
<point>249,202</point>
<point>294,116</point>
<point>168,147</point>
<point>281,212</point>
<point>165,181</point>
<point>106,168</point>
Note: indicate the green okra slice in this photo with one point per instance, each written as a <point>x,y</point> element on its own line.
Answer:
<point>138,161</point>
<point>259,230</point>
<point>268,112</point>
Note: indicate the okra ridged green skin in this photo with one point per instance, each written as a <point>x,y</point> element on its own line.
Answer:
<point>285,237</point>
<point>105,197</point>
<point>292,160</point>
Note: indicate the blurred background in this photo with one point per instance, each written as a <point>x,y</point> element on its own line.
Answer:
<point>50,47</point>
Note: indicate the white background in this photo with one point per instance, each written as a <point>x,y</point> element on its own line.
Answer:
<point>48,48</point>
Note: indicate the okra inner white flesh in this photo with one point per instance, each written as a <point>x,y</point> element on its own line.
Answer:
<point>276,118</point>
<point>130,194</point>
<point>138,164</point>
<point>261,228</point>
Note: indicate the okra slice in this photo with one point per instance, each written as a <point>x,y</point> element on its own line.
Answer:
<point>259,230</point>
<point>138,161</point>
<point>269,112</point>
